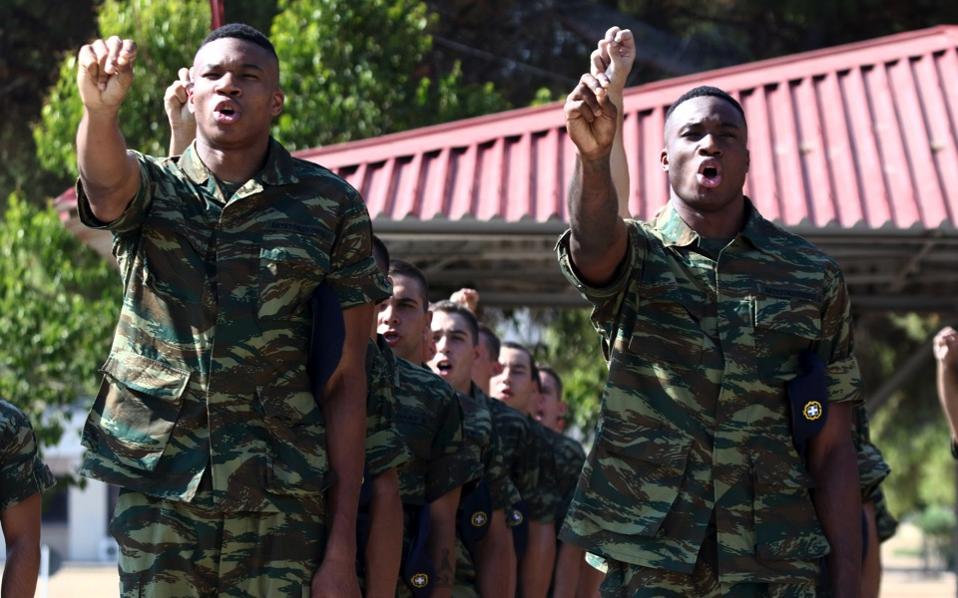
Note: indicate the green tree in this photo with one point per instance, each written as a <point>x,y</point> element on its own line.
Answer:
<point>167,34</point>
<point>58,306</point>
<point>355,68</point>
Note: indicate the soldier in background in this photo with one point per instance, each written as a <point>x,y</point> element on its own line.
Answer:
<point>486,563</point>
<point>23,477</point>
<point>429,418</point>
<point>569,458</point>
<point>207,375</point>
<point>708,313</point>
<point>517,386</point>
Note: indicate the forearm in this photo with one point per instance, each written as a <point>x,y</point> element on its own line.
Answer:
<point>20,570</point>
<point>948,395</point>
<point>442,542</point>
<point>384,549</point>
<point>109,174</point>
<point>617,159</point>
<point>593,209</point>
<point>837,501</point>
<point>538,560</point>
<point>496,559</point>
<point>568,566</point>
<point>345,412</point>
<point>180,139</point>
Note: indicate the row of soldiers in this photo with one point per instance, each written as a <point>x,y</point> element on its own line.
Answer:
<point>483,479</point>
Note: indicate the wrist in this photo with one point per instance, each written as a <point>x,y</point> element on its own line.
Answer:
<point>101,113</point>
<point>596,159</point>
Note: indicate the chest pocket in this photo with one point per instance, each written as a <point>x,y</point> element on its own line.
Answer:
<point>290,267</point>
<point>664,329</point>
<point>784,327</point>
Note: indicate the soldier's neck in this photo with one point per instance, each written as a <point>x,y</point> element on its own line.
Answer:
<point>234,165</point>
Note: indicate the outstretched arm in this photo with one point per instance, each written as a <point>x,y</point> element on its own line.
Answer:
<point>598,242</point>
<point>611,64</point>
<point>946,354</point>
<point>110,176</point>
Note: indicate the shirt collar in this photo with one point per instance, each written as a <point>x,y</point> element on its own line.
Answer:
<point>675,232</point>
<point>278,169</point>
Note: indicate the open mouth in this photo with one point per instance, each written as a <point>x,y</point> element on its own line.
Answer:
<point>443,367</point>
<point>391,336</point>
<point>226,112</point>
<point>709,174</point>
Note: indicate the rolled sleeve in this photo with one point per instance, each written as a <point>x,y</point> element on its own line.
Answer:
<point>22,473</point>
<point>842,376</point>
<point>135,212</point>
<point>354,274</point>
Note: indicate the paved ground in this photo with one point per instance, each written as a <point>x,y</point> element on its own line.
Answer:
<point>904,577</point>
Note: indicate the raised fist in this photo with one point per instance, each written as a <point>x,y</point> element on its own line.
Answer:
<point>613,58</point>
<point>105,72</point>
<point>590,118</point>
<point>176,103</point>
<point>945,346</point>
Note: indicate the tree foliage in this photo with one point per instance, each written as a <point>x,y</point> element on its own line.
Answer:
<point>354,69</point>
<point>58,306</point>
<point>167,34</point>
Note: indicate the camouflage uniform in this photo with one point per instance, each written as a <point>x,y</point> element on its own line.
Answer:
<point>569,459</point>
<point>385,448</point>
<point>694,424</point>
<point>22,473</point>
<point>520,451</point>
<point>206,378</point>
<point>872,471</point>
<point>483,441</point>
<point>430,420</point>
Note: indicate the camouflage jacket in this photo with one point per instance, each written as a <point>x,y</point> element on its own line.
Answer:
<point>569,458</point>
<point>429,419</point>
<point>22,473</point>
<point>208,363</point>
<point>522,453</point>
<point>482,439</point>
<point>872,467</point>
<point>694,420</point>
<point>385,448</point>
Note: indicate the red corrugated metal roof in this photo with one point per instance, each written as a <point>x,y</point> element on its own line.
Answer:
<point>861,135</point>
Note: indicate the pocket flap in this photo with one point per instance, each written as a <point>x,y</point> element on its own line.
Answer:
<point>636,485</point>
<point>146,376</point>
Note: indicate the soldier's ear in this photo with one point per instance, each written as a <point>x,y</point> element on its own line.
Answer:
<point>276,106</point>
<point>664,159</point>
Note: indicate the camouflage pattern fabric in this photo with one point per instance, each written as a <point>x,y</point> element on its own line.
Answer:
<point>207,367</point>
<point>694,419</point>
<point>22,473</point>
<point>519,449</point>
<point>430,421</point>
<point>624,580</point>
<point>569,459</point>
<point>483,438</point>
<point>885,523</point>
<point>385,448</point>
<point>173,548</point>
<point>872,471</point>
<point>544,504</point>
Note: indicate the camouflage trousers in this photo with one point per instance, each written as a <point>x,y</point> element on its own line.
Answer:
<point>174,549</point>
<point>625,580</point>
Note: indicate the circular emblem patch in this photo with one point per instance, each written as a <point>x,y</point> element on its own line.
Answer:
<point>419,580</point>
<point>812,410</point>
<point>479,519</point>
